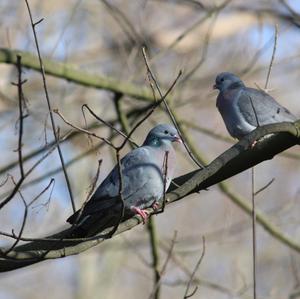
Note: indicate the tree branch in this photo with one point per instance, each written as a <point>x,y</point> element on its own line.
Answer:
<point>233,161</point>
<point>70,73</point>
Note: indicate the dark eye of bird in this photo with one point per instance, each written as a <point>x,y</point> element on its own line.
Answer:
<point>222,79</point>
<point>166,132</point>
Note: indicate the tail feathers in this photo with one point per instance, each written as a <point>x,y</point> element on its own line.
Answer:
<point>93,219</point>
<point>98,207</point>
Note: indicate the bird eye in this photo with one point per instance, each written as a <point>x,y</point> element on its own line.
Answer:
<point>166,132</point>
<point>222,79</point>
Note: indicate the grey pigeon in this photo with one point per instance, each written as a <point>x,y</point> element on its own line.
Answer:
<point>234,104</point>
<point>142,180</point>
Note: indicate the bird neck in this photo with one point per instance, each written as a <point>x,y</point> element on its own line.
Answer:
<point>236,84</point>
<point>157,143</point>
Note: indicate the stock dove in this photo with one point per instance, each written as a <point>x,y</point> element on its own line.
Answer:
<point>143,171</point>
<point>234,104</point>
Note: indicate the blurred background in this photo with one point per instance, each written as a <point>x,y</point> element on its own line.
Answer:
<point>201,38</point>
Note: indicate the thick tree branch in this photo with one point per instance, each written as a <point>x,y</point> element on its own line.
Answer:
<point>233,161</point>
<point>71,73</point>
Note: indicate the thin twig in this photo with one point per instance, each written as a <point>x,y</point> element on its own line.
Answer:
<point>264,187</point>
<point>120,197</point>
<point>33,25</point>
<point>165,178</point>
<point>26,206</point>
<point>186,295</point>
<point>90,192</point>
<point>164,267</point>
<point>273,56</point>
<point>155,255</point>
<point>17,239</point>
<point>21,117</point>
<point>254,111</point>
<point>152,110</point>
<point>107,123</point>
<point>20,182</point>
<point>151,227</point>
<point>51,183</point>
<point>169,110</point>
<point>81,129</point>
<point>253,230</point>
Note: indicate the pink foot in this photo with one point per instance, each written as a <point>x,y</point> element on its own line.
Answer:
<point>143,213</point>
<point>155,206</point>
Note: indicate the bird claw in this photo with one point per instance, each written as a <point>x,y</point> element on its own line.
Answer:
<point>155,206</point>
<point>143,213</point>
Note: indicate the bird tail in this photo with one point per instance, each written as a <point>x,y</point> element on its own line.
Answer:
<point>95,217</point>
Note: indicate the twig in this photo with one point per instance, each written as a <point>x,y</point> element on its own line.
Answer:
<point>71,134</point>
<point>191,28</point>
<point>168,110</point>
<point>81,129</point>
<point>152,110</point>
<point>21,117</point>
<point>273,56</point>
<point>186,270</point>
<point>90,192</point>
<point>51,183</point>
<point>151,222</point>
<point>107,124</point>
<point>122,117</point>
<point>26,206</point>
<point>155,256</point>
<point>253,230</point>
<point>164,267</point>
<point>33,25</point>
<point>120,197</point>
<point>186,295</point>
<point>233,161</point>
<point>20,182</point>
<point>254,111</point>
<point>264,187</point>
<point>18,237</point>
<point>165,178</point>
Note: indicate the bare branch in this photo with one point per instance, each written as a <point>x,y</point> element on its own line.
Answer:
<point>231,162</point>
<point>186,295</point>
<point>42,70</point>
<point>164,267</point>
<point>21,117</point>
<point>273,56</point>
<point>169,110</point>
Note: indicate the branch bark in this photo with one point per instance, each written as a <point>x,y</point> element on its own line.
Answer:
<point>71,73</point>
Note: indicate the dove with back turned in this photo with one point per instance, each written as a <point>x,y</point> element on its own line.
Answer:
<point>244,108</point>
<point>143,172</point>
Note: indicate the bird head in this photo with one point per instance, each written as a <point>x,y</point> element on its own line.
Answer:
<point>162,134</point>
<point>227,80</point>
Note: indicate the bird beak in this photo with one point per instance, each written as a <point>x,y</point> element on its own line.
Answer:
<point>215,86</point>
<point>177,139</point>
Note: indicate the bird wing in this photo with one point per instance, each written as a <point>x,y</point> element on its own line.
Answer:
<point>267,109</point>
<point>138,167</point>
<point>137,170</point>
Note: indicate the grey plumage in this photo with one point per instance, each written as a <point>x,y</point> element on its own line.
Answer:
<point>234,103</point>
<point>142,177</point>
